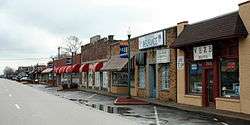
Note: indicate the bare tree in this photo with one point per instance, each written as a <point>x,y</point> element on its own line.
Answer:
<point>8,72</point>
<point>73,44</point>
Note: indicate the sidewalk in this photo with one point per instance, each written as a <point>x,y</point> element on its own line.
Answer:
<point>208,111</point>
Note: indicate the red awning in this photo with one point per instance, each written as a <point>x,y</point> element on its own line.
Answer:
<point>97,66</point>
<point>56,70</point>
<point>75,68</point>
<point>84,68</point>
<point>62,69</point>
<point>68,69</point>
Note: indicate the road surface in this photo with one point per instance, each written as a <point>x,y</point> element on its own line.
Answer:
<point>24,105</point>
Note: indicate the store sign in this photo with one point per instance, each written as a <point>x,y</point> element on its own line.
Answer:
<point>151,40</point>
<point>194,67</point>
<point>231,65</point>
<point>180,62</point>
<point>203,52</point>
<point>163,56</point>
<point>124,49</point>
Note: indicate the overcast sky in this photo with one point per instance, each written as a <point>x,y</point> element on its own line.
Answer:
<point>35,28</point>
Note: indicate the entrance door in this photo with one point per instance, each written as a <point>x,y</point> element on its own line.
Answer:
<point>208,91</point>
<point>152,81</point>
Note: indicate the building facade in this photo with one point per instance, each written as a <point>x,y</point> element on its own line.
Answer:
<point>155,66</point>
<point>94,55</point>
<point>117,66</point>
<point>213,61</point>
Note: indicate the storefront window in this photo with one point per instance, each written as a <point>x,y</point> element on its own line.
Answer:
<point>97,79</point>
<point>141,77</point>
<point>120,78</point>
<point>230,86</point>
<point>90,78</point>
<point>75,78</point>
<point>195,78</point>
<point>165,77</point>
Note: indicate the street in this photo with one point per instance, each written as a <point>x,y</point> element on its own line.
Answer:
<point>23,105</point>
<point>35,104</point>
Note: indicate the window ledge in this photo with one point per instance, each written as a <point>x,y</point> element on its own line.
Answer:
<point>192,96</point>
<point>164,90</point>
<point>228,99</point>
<point>141,88</point>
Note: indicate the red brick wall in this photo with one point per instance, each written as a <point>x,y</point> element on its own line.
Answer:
<point>95,51</point>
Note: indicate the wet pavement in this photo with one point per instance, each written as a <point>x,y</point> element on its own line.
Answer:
<point>142,114</point>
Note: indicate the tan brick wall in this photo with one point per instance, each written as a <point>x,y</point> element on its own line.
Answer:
<point>244,60</point>
<point>119,90</point>
<point>228,104</point>
<point>181,97</point>
<point>171,93</point>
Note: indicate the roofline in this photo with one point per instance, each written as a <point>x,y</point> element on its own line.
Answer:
<point>213,18</point>
<point>204,41</point>
<point>154,32</point>
<point>244,3</point>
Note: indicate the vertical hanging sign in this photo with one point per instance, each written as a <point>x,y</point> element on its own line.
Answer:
<point>124,49</point>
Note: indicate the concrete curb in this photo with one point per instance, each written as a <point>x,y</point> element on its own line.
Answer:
<point>208,112</point>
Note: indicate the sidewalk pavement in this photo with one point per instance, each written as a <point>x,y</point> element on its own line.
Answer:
<point>209,111</point>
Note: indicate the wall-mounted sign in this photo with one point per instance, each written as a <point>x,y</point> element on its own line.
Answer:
<point>180,62</point>
<point>124,49</point>
<point>194,67</point>
<point>203,52</point>
<point>151,40</point>
<point>163,56</point>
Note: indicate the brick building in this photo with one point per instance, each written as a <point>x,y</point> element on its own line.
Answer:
<point>117,67</point>
<point>94,55</point>
<point>66,71</point>
<point>155,66</point>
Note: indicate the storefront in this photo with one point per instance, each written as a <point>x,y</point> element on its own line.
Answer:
<point>155,70</point>
<point>209,62</point>
<point>47,76</point>
<point>92,76</point>
<point>117,72</point>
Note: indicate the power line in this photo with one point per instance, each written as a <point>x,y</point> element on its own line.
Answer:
<point>17,59</point>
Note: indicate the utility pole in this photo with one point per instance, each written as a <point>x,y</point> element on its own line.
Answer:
<point>53,73</point>
<point>129,66</point>
<point>72,56</point>
<point>58,52</point>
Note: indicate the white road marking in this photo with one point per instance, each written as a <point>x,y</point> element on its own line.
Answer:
<point>156,116</point>
<point>223,123</point>
<point>17,106</point>
<point>91,96</point>
<point>10,95</point>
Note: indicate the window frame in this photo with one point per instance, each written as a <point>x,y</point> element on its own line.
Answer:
<point>139,79</point>
<point>167,66</point>
<point>220,77</point>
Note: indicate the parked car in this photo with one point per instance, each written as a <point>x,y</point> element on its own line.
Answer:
<point>25,79</point>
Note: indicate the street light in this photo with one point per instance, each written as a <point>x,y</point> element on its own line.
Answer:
<point>129,64</point>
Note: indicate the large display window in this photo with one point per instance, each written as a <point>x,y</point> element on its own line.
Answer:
<point>229,72</point>
<point>195,78</point>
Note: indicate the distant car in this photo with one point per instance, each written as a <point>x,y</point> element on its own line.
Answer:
<point>25,79</point>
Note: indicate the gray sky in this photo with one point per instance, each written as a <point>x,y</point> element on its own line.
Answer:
<point>34,29</point>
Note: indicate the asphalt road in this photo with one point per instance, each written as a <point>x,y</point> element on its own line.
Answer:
<point>24,105</point>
